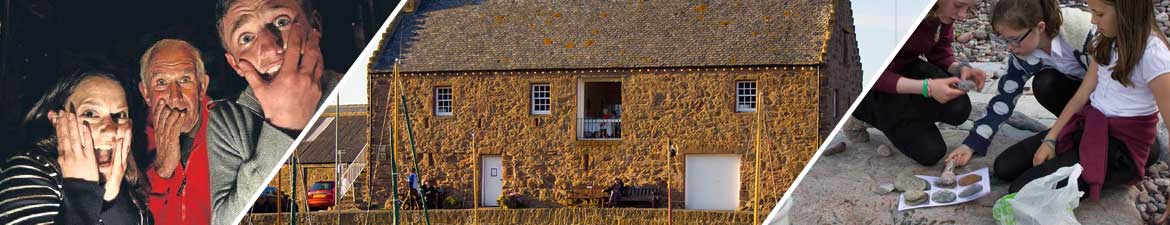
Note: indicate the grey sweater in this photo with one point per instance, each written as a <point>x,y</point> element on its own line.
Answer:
<point>243,149</point>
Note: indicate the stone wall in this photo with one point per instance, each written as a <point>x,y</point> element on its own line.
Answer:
<point>558,216</point>
<point>841,83</point>
<point>542,156</point>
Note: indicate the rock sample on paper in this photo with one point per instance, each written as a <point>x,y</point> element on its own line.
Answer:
<point>970,179</point>
<point>969,191</point>
<point>943,196</point>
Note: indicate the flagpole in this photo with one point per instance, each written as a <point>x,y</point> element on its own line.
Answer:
<point>756,190</point>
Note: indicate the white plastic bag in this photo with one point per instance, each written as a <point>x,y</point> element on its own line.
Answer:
<point>1040,203</point>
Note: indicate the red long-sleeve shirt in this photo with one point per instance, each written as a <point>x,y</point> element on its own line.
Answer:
<point>932,40</point>
<point>185,197</point>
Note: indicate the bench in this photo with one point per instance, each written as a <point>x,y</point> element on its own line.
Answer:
<point>589,194</point>
<point>647,195</point>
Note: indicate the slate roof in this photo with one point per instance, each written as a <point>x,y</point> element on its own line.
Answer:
<point>318,146</point>
<point>486,35</point>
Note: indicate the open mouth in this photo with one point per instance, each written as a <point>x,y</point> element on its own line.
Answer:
<point>105,156</point>
<point>271,72</point>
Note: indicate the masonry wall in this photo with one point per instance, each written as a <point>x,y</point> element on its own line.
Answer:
<point>541,154</point>
<point>547,216</point>
<point>842,75</point>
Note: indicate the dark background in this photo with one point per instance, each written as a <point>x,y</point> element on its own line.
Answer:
<point>41,40</point>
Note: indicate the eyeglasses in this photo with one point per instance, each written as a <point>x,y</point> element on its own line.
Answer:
<point>1012,41</point>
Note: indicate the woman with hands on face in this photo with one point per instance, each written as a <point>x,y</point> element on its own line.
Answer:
<point>78,168</point>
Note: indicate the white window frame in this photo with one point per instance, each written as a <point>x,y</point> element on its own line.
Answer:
<point>439,100</point>
<point>535,99</point>
<point>745,89</point>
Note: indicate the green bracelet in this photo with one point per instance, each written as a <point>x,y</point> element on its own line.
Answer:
<point>925,91</point>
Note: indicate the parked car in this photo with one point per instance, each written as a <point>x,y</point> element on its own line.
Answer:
<point>267,203</point>
<point>321,195</point>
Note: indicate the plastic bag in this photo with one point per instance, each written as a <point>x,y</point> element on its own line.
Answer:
<point>1040,203</point>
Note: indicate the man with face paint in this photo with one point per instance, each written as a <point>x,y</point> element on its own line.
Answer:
<point>274,45</point>
<point>174,85</point>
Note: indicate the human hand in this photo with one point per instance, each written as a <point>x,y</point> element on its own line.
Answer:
<point>289,98</point>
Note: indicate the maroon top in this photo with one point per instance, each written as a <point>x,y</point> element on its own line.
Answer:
<point>1136,132</point>
<point>932,39</point>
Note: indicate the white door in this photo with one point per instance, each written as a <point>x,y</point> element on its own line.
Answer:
<point>712,181</point>
<point>493,180</point>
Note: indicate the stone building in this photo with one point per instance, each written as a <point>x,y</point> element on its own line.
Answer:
<point>315,154</point>
<point>537,97</point>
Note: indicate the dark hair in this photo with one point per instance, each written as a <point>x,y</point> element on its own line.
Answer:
<point>221,7</point>
<point>41,132</point>
<point>1020,14</point>
<point>54,99</point>
<point>1135,22</point>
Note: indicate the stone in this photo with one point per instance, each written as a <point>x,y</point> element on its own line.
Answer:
<point>966,85</point>
<point>965,37</point>
<point>908,182</point>
<point>943,196</point>
<point>969,191</point>
<point>834,149</point>
<point>914,197</point>
<point>970,179</point>
<point>855,131</point>
<point>884,150</point>
<point>885,189</point>
<point>981,35</point>
<point>947,179</point>
<point>1018,120</point>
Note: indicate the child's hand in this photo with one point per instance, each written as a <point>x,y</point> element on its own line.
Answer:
<point>960,155</point>
<point>943,89</point>
<point>1044,153</point>
<point>973,74</point>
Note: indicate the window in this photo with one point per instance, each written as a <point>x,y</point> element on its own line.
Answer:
<point>745,96</point>
<point>836,105</point>
<point>541,102</point>
<point>443,101</point>
<point>599,110</point>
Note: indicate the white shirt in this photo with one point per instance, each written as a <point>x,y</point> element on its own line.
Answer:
<point>1062,59</point>
<point>1115,100</point>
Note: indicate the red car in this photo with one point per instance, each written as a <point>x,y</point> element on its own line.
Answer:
<point>321,195</point>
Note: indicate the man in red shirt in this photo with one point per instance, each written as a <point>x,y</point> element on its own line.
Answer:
<point>174,84</point>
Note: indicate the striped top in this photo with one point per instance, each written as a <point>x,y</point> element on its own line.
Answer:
<point>32,191</point>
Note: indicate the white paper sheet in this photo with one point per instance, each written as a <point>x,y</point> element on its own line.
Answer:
<point>986,182</point>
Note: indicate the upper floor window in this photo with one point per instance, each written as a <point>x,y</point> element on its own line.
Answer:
<point>443,101</point>
<point>541,99</point>
<point>745,96</point>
